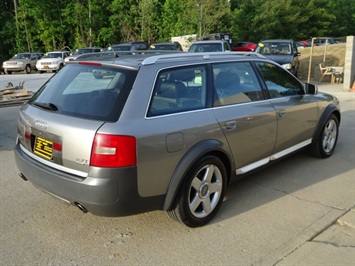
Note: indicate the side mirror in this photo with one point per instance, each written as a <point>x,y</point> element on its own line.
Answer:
<point>311,88</point>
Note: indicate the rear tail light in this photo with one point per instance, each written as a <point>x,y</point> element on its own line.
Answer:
<point>113,151</point>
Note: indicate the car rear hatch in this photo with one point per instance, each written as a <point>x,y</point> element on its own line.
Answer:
<point>58,126</point>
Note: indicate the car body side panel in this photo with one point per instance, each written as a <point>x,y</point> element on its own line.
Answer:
<point>297,119</point>
<point>250,129</point>
<point>164,142</point>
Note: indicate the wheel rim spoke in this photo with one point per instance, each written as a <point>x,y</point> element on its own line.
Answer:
<point>209,173</point>
<point>215,187</point>
<point>329,136</point>
<point>206,205</point>
<point>196,183</point>
<point>205,191</point>
<point>195,203</point>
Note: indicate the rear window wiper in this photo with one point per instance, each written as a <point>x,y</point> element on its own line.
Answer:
<point>48,106</point>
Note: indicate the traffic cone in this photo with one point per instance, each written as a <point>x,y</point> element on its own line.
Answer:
<point>352,89</point>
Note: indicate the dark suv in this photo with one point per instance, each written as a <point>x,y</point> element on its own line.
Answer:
<point>209,46</point>
<point>81,51</point>
<point>130,46</point>
<point>283,52</point>
<point>167,132</point>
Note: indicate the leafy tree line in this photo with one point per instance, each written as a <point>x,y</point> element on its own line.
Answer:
<point>46,25</point>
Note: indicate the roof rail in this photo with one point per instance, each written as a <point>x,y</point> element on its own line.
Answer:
<point>153,59</point>
<point>96,56</point>
<point>111,55</point>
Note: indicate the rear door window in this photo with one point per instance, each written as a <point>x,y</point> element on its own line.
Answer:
<point>179,90</point>
<point>235,83</point>
<point>87,91</point>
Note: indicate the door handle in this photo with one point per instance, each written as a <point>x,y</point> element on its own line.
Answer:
<point>230,125</point>
<point>281,113</point>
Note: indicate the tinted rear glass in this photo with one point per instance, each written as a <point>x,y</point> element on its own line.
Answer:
<point>87,91</point>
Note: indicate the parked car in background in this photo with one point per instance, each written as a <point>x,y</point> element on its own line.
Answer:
<point>165,46</point>
<point>301,45</point>
<point>322,41</point>
<point>129,46</point>
<point>305,43</point>
<point>209,46</point>
<point>81,51</point>
<point>244,47</point>
<point>22,62</point>
<point>52,61</point>
<point>281,51</point>
<point>167,132</point>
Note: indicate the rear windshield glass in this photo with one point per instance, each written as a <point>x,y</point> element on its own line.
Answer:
<point>86,91</point>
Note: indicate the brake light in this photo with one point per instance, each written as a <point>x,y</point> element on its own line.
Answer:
<point>113,151</point>
<point>90,63</point>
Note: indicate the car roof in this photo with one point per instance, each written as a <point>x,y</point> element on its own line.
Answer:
<point>165,43</point>
<point>210,41</point>
<point>136,60</point>
<point>128,43</point>
<point>277,40</point>
<point>29,53</point>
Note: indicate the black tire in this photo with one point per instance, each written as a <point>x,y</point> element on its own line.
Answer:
<point>202,193</point>
<point>7,72</point>
<point>28,69</point>
<point>325,143</point>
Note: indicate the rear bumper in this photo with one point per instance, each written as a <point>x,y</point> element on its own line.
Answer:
<point>105,192</point>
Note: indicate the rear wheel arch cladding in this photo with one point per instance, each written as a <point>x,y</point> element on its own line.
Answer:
<point>201,149</point>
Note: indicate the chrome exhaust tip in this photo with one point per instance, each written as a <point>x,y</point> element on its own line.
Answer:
<point>81,207</point>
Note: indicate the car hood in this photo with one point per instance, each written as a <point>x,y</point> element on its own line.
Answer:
<point>281,59</point>
<point>49,59</point>
<point>17,60</point>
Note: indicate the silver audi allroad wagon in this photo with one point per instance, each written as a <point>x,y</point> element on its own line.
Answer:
<point>136,133</point>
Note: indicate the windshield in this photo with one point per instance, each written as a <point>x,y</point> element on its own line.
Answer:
<point>162,47</point>
<point>205,47</point>
<point>21,56</point>
<point>87,91</point>
<point>274,48</point>
<point>53,55</point>
<point>82,51</point>
<point>122,48</point>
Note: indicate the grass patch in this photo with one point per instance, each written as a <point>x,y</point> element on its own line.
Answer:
<point>334,55</point>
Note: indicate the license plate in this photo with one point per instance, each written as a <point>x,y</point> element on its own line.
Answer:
<point>45,67</point>
<point>43,148</point>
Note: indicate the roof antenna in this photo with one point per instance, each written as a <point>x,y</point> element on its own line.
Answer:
<point>112,50</point>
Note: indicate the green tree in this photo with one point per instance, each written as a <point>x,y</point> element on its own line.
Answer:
<point>204,15</point>
<point>148,19</point>
<point>123,19</point>
<point>173,21</point>
<point>7,29</point>
<point>48,25</point>
<point>344,22</point>
<point>242,19</point>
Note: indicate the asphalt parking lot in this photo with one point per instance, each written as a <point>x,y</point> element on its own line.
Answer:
<point>299,211</point>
